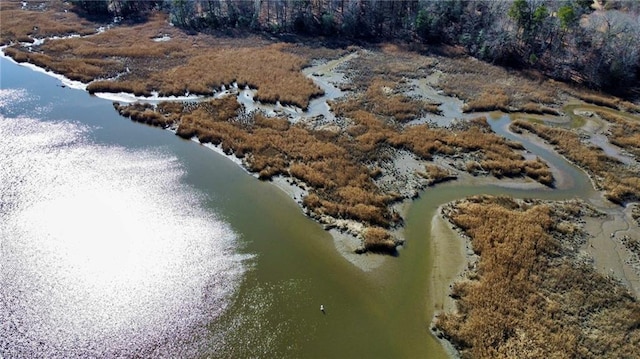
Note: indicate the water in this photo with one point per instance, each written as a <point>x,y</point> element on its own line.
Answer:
<point>104,250</point>
<point>120,239</point>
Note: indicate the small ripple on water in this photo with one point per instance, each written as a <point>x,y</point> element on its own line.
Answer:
<point>267,331</point>
<point>103,251</point>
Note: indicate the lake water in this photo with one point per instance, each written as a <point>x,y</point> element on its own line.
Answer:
<point>119,239</point>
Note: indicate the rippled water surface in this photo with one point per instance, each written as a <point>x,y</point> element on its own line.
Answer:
<point>104,251</point>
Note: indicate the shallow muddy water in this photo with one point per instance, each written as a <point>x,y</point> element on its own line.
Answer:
<point>133,242</point>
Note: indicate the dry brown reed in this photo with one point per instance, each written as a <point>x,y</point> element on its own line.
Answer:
<point>436,174</point>
<point>489,100</point>
<point>379,240</point>
<point>496,155</point>
<point>623,132</point>
<point>389,62</point>
<point>134,87</point>
<point>373,131</point>
<point>485,87</point>
<point>538,109</point>
<point>83,70</point>
<point>598,99</point>
<point>145,113</point>
<point>340,186</point>
<point>602,99</point>
<point>383,98</point>
<point>274,73</point>
<point>530,296</point>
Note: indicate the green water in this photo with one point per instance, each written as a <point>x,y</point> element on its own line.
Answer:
<point>381,313</point>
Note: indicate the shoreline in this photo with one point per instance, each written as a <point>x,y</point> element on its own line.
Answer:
<point>447,239</point>
<point>610,256</point>
<point>345,242</point>
<point>109,96</point>
<point>76,85</point>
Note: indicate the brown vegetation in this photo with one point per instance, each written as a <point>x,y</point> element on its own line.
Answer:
<point>382,98</point>
<point>531,297</point>
<point>377,122</point>
<point>83,70</point>
<point>144,113</point>
<point>494,154</point>
<point>338,166</point>
<point>378,240</point>
<point>436,174</point>
<point>623,132</point>
<point>489,100</point>
<point>621,183</point>
<point>391,62</point>
<point>605,101</point>
<point>333,164</point>
<point>340,187</point>
<point>485,87</point>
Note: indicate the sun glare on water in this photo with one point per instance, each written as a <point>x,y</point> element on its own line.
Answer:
<point>104,251</point>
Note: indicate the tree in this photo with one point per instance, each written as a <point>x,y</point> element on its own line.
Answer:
<point>182,12</point>
<point>567,16</point>
<point>92,7</point>
<point>423,21</point>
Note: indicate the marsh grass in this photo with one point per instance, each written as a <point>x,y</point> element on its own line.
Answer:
<point>340,187</point>
<point>538,109</point>
<point>436,174</point>
<point>390,62</point>
<point>376,124</point>
<point>489,100</point>
<point>275,74</point>
<point>531,296</point>
<point>624,133</point>
<point>383,97</point>
<point>144,113</point>
<point>379,240</point>
<point>134,87</point>
<point>621,183</point>
<point>495,154</point>
<point>485,87</point>
<point>83,70</point>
